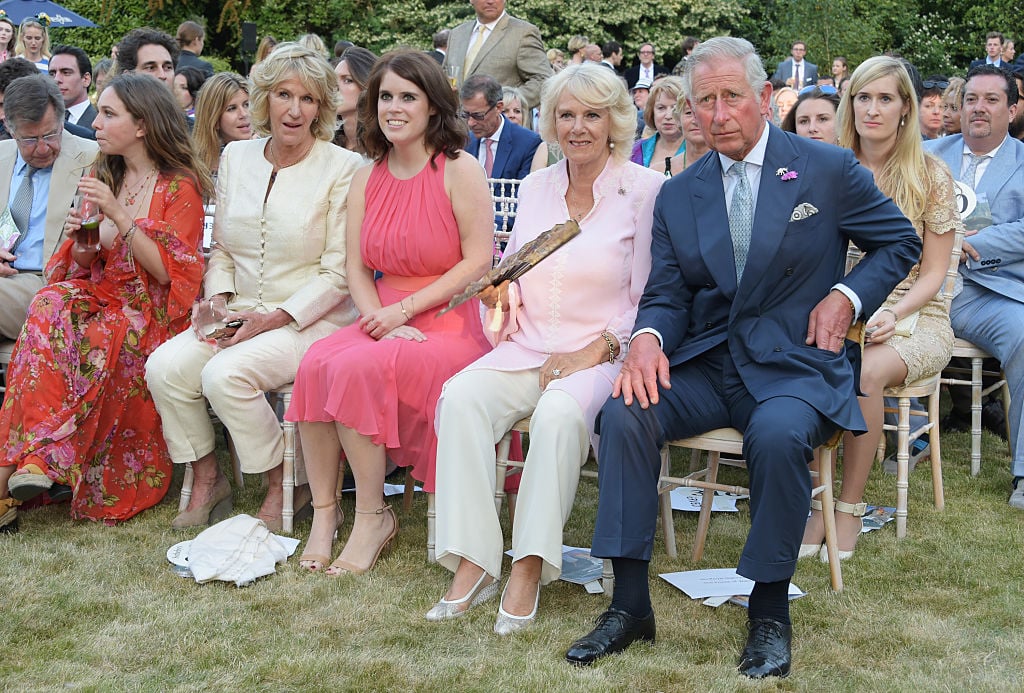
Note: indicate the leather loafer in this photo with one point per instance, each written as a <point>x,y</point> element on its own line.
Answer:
<point>767,652</point>
<point>615,631</point>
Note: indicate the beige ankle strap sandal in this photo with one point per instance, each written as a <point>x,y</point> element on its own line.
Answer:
<point>855,509</point>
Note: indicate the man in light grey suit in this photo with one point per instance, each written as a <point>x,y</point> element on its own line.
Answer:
<point>795,71</point>
<point>497,44</point>
<point>990,310</point>
<point>53,160</point>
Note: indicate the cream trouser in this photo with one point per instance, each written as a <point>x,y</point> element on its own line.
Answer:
<point>477,408</point>
<point>16,294</point>
<point>184,373</point>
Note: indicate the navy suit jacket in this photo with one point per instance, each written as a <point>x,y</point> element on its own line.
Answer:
<point>1001,245</point>
<point>633,74</point>
<point>785,70</point>
<point>514,153</point>
<point>692,298</point>
<point>981,61</point>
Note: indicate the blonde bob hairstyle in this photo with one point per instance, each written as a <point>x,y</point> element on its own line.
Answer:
<point>312,70</point>
<point>597,87</point>
<point>904,176</point>
<point>673,86</point>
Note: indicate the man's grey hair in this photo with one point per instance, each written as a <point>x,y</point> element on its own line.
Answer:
<point>481,84</point>
<point>723,48</point>
<point>27,98</point>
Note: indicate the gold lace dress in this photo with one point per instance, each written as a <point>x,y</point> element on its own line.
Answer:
<point>928,350</point>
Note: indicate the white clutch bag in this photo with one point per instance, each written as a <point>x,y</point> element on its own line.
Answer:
<point>906,326</point>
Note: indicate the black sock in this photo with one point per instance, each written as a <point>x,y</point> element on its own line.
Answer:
<point>632,592</point>
<point>768,600</point>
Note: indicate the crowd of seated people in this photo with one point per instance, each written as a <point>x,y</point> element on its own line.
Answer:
<point>350,203</point>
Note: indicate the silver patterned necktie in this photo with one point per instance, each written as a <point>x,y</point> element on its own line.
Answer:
<point>971,172</point>
<point>21,207</point>
<point>741,216</point>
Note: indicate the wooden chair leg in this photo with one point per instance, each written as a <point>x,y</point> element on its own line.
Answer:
<point>828,515</point>
<point>608,577</point>
<point>976,385</point>
<point>288,480</point>
<point>902,466</point>
<point>501,468</point>
<point>668,527</point>
<point>431,529</point>
<point>186,487</point>
<point>935,444</point>
<point>707,498</point>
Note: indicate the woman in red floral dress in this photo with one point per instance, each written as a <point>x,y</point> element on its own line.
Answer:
<point>77,411</point>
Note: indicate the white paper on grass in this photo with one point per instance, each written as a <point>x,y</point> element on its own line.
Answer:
<point>689,499</point>
<point>390,490</point>
<point>715,582</point>
<point>579,567</point>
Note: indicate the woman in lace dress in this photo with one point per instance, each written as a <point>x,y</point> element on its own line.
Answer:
<point>879,121</point>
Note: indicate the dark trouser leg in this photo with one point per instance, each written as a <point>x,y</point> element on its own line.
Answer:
<point>629,460</point>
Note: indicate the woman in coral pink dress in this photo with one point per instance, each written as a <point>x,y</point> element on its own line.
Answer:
<point>422,216</point>
<point>77,411</point>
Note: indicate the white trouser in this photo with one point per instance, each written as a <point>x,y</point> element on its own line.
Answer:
<point>477,408</point>
<point>184,373</point>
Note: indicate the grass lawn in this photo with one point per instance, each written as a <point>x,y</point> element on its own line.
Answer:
<point>89,607</point>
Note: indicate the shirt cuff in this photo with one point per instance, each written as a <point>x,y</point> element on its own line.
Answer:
<point>853,297</point>
<point>648,330</point>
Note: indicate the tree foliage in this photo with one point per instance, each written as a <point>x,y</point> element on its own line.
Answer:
<point>937,35</point>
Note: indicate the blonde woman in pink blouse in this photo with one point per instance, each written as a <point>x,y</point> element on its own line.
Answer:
<point>565,326</point>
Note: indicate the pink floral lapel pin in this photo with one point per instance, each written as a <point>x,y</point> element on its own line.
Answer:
<point>786,174</point>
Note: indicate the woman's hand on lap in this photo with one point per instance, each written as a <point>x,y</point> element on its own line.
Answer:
<point>383,321</point>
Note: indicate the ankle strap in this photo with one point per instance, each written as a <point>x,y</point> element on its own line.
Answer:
<point>815,504</point>
<point>855,509</point>
<point>379,511</point>
<point>331,504</point>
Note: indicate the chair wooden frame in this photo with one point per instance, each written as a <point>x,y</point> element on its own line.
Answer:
<point>282,397</point>
<point>964,349</point>
<point>925,387</point>
<point>730,441</point>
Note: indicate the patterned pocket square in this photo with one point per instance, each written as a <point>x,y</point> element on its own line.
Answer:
<point>802,211</point>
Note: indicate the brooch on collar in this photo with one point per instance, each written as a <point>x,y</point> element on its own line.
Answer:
<point>786,174</point>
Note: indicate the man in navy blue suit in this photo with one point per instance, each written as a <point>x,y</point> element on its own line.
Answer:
<point>742,324</point>
<point>504,149</point>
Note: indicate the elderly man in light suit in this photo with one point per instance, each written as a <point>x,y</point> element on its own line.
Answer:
<point>34,110</point>
<point>743,324</point>
<point>497,44</point>
<point>990,310</point>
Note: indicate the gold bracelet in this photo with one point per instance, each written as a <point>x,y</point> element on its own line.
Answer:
<point>401,304</point>
<point>611,347</point>
<point>127,239</point>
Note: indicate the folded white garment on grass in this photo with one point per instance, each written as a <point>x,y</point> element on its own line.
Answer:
<point>240,549</point>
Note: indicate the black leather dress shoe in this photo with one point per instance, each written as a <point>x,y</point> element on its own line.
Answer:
<point>615,631</point>
<point>767,650</point>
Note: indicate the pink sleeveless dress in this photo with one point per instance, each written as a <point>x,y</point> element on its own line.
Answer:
<point>388,389</point>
